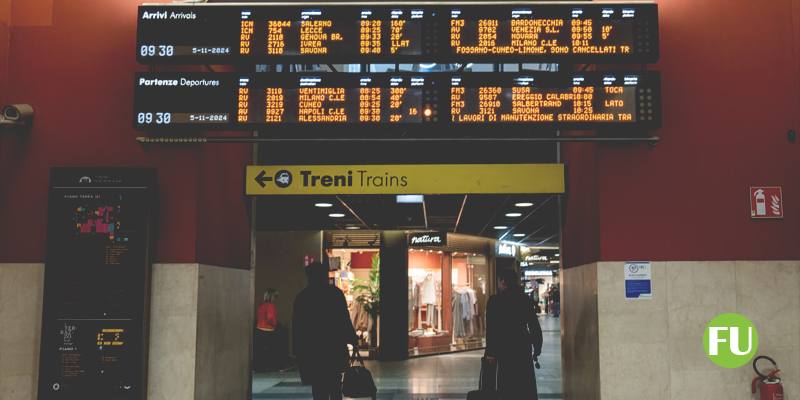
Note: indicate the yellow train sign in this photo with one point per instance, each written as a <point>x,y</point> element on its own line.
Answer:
<point>264,180</point>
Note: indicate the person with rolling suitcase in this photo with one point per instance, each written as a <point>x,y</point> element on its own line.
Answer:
<point>487,383</point>
<point>513,339</point>
<point>321,331</point>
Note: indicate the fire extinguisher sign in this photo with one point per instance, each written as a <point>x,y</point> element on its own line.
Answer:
<point>766,202</point>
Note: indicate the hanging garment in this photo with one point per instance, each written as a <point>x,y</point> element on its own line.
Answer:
<point>430,314</point>
<point>458,322</point>
<point>360,317</point>
<point>428,291</point>
<point>412,295</point>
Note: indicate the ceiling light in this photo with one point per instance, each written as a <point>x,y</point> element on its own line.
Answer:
<point>500,227</point>
<point>336,215</point>
<point>352,227</point>
<point>558,254</point>
<point>410,199</point>
<point>323,205</point>
<point>524,204</point>
<point>513,215</point>
<point>519,235</point>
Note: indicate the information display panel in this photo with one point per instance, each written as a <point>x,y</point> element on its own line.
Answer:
<point>434,101</point>
<point>94,329</point>
<point>578,32</point>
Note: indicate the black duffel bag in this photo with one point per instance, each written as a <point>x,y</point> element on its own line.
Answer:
<point>487,386</point>
<point>357,381</point>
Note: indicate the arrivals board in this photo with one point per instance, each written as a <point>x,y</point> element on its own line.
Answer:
<point>400,32</point>
<point>93,343</point>
<point>433,101</point>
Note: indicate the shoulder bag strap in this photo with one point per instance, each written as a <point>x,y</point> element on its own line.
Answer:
<point>480,376</point>
<point>497,375</point>
<point>356,357</point>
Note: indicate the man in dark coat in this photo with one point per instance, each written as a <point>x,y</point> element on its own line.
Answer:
<point>321,330</point>
<point>513,338</point>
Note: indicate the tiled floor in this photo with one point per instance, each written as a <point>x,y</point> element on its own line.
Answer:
<point>448,376</point>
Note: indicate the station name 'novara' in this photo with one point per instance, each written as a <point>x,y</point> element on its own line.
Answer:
<point>361,178</point>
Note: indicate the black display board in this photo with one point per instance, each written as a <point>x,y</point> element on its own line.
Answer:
<point>333,32</point>
<point>427,103</point>
<point>394,296</point>
<point>96,289</point>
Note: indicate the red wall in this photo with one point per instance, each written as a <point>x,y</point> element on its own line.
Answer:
<point>684,199</point>
<point>730,92</point>
<point>362,260</point>
<point>424,259</point>
<point>581,230</point>
<point>76,68</point>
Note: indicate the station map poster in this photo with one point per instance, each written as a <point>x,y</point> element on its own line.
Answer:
<point>96,289</point>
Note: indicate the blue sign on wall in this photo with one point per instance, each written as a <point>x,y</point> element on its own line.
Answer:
<point>638,280</point>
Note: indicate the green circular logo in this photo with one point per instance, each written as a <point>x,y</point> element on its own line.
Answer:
<point>730,340</point>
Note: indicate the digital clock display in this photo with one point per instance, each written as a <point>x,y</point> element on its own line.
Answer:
<point>434,101</point>
<point>407,32</point>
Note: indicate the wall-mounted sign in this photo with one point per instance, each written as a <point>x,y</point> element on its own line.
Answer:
<point>440,102</point>
<point>638,281</point>
<point>427,239</point>
<point>405,179</point>
<point>766,202</point>
<point>504,249</point>
<point>537,258</point>
<point>539,273</point>
<point>96,284</point>
<point>331,32</point>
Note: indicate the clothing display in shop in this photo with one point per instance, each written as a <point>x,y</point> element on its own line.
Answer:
<point>428,290</point>
<point>425,296</point>
<point>412,302</point>
<point>362,321</point>
<point>465,312</point>
<point>431,316</point>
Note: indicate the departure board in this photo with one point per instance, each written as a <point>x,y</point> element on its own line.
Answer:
<point>96,283</point>
<point>413,102</point>
<point>578,32</point>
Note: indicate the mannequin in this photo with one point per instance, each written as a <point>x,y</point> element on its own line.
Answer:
<point>428,297</point>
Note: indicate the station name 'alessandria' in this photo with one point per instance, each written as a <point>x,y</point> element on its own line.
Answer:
<point>407,32</point>
<point>231,101</point>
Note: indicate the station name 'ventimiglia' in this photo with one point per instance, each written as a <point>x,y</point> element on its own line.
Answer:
<point>185,82</point>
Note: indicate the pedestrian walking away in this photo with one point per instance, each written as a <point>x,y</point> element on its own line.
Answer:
<point>513,338</point>
<point>321,331</point>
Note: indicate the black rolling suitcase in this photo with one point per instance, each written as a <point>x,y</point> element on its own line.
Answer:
<point>487,388</point>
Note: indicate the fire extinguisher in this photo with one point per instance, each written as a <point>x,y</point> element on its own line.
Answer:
<point>768,386</point>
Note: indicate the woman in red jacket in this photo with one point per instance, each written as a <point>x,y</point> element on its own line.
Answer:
<point>271,342</point>
<point>267,313</point>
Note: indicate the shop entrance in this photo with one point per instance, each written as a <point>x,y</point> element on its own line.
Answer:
<point>416,270</point>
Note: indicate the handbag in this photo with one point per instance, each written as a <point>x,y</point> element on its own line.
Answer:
<point>487,386</point>
<point>357,381</point>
